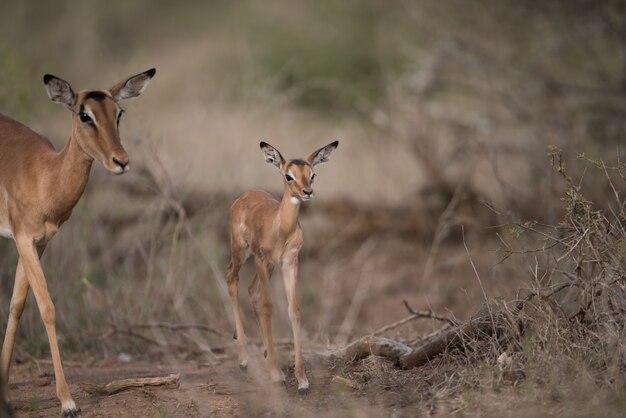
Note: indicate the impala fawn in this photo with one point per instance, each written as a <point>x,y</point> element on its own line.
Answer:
<point>269,229</point>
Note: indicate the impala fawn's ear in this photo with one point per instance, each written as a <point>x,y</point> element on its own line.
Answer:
<point>271,154</point>
<point>133,86</point>
<point>59,90</point>
<point>323,154</point>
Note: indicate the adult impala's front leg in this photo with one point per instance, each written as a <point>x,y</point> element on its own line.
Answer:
<point>290,277</point>
<point>18,300</point>
<point>37,281</point>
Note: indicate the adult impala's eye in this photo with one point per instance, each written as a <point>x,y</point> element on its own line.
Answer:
<point>119,116</point>
<point>288,178</point>
<point>312,177</point>
<point>84,118</point>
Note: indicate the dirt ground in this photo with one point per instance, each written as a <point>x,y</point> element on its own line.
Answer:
<point>219,389</point>
<point>215,386</point>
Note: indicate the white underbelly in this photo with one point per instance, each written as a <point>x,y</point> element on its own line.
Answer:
<point>5,232</point>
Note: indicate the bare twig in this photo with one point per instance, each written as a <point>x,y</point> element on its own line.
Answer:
<point>480,282</point>
<point>442,230</point>
<point>428,314</point>
<point>413,315</point>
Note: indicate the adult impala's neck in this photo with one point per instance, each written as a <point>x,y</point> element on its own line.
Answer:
<point>74,166</point>
<point>288,213</point>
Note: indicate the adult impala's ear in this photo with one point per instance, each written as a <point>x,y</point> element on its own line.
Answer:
<point>271,154</point>
<point>133,86</point>
<point>59,90</point>
<point>321,155</point>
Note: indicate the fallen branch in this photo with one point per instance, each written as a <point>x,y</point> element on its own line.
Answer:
<point>117,386</point>
<point>407,357</point>
<point>370,345</point>
<point>475,327</point>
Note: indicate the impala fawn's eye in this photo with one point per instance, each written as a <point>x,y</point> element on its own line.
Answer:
<point>84,118</point>
<point>288,178</point>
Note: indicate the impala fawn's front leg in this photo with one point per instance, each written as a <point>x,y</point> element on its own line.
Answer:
<point>37,281</point>
<point>237,259</point>
<point>290,278</point>
<point>263,307</point>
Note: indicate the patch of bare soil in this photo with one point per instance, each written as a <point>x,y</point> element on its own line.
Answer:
<point>218,389</point>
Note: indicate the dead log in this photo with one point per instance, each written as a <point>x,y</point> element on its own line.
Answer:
<point>370,346</point>
<point>117,386</point>
<point>406,357</point>
<point>454,337</point>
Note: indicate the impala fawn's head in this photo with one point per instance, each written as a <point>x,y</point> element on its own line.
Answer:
<point>298,174</point>
<point>96,116</point>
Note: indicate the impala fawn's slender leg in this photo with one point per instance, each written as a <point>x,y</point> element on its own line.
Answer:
<point>18,300</point>
<point>290,277</point>
<point>255,296</point>
<point>37,281</point>
<point>232,274</point>
<point>265,319</point>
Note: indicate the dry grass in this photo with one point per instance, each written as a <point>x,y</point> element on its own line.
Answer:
<point>458,130</point>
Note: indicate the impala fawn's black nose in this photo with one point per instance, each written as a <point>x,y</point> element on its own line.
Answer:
<point>307,192</point>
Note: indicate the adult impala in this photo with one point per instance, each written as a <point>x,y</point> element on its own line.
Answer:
<point>269,229</point>
<point>39,188</point>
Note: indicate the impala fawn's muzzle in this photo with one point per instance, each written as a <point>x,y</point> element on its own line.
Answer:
<point>307,194</point>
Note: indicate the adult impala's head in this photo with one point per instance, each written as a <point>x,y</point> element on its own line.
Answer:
<point>298,174</point>
<point>96,116</point>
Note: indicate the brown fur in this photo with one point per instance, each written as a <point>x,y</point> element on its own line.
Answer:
<point>38,190</point>
<point>269,229</point>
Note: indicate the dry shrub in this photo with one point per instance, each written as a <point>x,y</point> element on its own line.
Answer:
<point>559,348</point>
<point>579,332</point>
<point>566,340</point>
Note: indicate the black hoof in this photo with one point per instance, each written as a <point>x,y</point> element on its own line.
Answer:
<point>72,413</point>
<point>235,335</point>
<point>243,367</point>
<point>303,391</point>
<point>265,353</point>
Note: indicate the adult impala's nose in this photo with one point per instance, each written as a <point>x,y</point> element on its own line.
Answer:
<point>121,164</point>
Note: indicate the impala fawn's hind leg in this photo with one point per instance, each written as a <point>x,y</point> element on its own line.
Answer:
<point>37,281</point>
<point>262,303</point>
<point>290,277</point>
<point>255,296</point>
<point>232,276</point>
